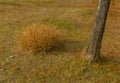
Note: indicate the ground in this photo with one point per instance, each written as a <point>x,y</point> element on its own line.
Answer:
<point>76,19</point>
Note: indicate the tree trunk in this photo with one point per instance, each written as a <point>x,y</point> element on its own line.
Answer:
<point>93,50</point>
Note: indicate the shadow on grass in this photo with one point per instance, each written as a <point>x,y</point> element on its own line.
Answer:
<point>69,47</point>
<point>74,46</point>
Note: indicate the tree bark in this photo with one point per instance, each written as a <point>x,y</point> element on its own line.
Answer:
<point>93,50</point>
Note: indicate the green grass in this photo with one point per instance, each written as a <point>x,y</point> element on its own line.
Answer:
<point>68,65</point>
<point>60,23</point>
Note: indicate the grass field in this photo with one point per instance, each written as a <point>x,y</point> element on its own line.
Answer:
<point>75,18</point>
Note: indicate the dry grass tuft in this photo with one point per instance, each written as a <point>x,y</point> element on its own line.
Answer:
<point>40,38</point>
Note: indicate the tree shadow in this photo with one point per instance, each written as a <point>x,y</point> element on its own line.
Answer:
<point>69,47</point>
<point>72,46</point>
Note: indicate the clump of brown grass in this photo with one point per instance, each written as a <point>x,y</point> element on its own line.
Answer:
<point>40,38</point>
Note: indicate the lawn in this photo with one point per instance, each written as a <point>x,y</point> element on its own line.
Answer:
<point>75,19</point>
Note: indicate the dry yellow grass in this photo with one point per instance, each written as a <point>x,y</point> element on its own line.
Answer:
<point>69,65</point>
<point>40,38</point>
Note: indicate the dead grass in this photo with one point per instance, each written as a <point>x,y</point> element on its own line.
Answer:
<point>40,38</point>
<point>59,66</point>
